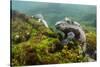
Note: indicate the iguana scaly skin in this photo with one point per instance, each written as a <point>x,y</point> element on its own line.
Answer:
<point>67,26</point>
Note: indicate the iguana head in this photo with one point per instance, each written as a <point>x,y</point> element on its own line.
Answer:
<point>66,23</point>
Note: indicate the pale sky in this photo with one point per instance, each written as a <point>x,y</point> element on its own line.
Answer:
<point>88,2</point>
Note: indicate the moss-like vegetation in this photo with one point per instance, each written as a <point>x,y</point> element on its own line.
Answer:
<point>91,44</point>
<point>34,44</point>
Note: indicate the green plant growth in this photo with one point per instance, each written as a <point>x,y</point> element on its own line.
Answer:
<point>34,44</point>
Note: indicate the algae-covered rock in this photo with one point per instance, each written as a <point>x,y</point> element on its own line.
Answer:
<point>35,44</point>
<point>30,39</point>
<point>91,44</point>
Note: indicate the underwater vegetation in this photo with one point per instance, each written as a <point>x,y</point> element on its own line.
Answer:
<point>35,44</point>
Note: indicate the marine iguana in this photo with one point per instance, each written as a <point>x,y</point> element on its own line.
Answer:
<point>68,26</point>
<point>41,19</point>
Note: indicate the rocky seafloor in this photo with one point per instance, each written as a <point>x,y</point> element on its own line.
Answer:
<point>32,43</point>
